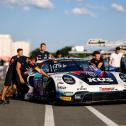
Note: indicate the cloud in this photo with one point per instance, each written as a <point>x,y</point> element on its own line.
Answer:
<point>96,7</point>
<point>80,0</point>
<point>83,11</point>
<point>74,0</point>
<point>26,8</point>
<point>42,4</point>
<point>118,7</point>
<point>66,12</point>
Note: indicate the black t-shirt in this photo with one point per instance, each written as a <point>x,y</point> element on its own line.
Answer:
<point>25,66</point>
<point>96,62</point>
<point>13,63</point>
<point>42,55</point>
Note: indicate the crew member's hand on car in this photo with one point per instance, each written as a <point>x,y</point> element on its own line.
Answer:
<point>47,76</point>
<point>41,72</point>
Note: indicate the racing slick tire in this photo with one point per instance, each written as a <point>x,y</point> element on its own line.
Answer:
<point>51,92</point>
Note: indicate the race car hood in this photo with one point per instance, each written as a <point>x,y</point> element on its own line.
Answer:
<point>91,78</point>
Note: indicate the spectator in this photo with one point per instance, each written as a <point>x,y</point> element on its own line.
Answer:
<point>115,59</point>
<point>11,78</point>
<point>106,60</point>
<point>59,54</point>
<point>97,60</point>
<point>52,56</point>
<point>43,54</point>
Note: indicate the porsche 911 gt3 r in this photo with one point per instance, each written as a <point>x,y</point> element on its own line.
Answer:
<point>77,80</point>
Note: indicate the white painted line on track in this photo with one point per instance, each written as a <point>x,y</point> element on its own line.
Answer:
<point>102,117</point>
<point>49,117</point>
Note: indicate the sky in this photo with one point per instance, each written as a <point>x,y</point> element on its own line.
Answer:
<point>61,23</point>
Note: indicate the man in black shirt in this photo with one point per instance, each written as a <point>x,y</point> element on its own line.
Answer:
<point>97,60</point>
<point>42,54</point>
<point>11,77</point>
<point>23,65</point>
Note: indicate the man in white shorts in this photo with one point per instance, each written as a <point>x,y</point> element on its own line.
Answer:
<point>115,59</point>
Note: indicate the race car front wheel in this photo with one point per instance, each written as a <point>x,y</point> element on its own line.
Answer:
<point>51,92</point>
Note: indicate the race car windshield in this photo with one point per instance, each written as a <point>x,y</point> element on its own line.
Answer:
<point>69,66</point>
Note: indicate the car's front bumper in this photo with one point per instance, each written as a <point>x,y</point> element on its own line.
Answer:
<point>88,97</point>
<point>84,97</point>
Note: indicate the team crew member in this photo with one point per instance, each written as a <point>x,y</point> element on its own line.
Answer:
<point>59,54</point>
<point>11,77</point>
<point>42,54</point>
<point>115,59</point>
<point>97,60</point>
<point>23,65</point>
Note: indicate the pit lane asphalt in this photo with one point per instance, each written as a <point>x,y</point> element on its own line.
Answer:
<point>22,113</point>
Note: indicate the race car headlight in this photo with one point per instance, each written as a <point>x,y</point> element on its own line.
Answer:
<point>68,79</point>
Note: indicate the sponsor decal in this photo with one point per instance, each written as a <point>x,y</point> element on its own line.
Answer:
<point>61,87</point>
<point>77,97</point>
<point>82,88</point>
<point>84,73</point>
<point>59,65</point>
<point>68,93</point>
<point>59,83</point>
<point>100,79</point>
<point>68,79</point>
<point>90,73</point>
<point>106,88</point>
<point>76,73</point>
<point>125,86</point>
<point>64,98</point>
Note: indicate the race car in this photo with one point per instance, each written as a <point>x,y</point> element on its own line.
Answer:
<point>74,80</point>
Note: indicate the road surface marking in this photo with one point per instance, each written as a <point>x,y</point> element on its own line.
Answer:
<point>49,117</point>
<point>102,117</point>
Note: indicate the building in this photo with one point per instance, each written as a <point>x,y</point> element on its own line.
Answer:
<point>98,45</point>
<point>101,45</point>
<point>5,47</point>
<point>77,49</point>
<point>25,45</point>
<point>8,47</point>
<point>97,42</point>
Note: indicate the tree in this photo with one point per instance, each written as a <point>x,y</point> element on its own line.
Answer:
<point>34,52</point>
<point>65,50</point>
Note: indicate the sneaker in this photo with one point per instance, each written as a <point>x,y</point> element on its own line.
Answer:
<point>7,101</point>
<point>1,101</point>
<point>4,102</point>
